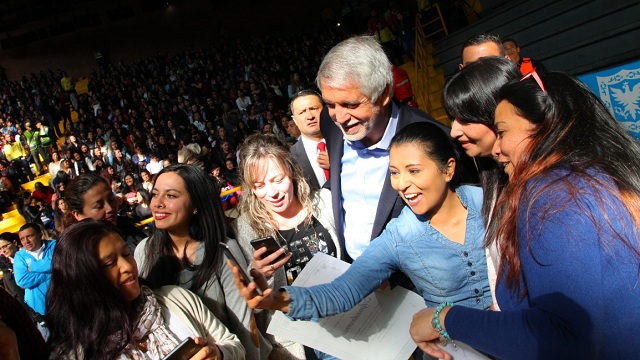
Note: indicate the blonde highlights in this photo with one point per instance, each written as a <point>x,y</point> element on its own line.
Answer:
<point>254,152</point>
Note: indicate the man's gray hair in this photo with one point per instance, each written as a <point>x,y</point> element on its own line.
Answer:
<point>358,61</point>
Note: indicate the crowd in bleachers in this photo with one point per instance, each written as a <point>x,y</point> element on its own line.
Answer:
<point>196,106</point>
<point>489,221</point>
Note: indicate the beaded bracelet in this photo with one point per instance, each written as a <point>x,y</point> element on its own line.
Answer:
<point>444,336</point>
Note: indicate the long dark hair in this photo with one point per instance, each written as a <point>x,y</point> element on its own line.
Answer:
<point>208,225</point>
<point>574,132</point>
<point>437,145</point>
<point>471,96</point>
<point>85,312</point>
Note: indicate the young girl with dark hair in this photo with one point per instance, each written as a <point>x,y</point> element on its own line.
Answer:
<point>471,97</point>
<point>59,214</point>
<point>437,236</point>
<point>183,249</point>
<point>90,196</point>
<point>566,225</point>
<point>142,209</point>
<point>98,310</point>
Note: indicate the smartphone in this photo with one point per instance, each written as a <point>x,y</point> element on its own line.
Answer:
<point>184,351</point>
<point>243,272</point>
<point>271,244</point>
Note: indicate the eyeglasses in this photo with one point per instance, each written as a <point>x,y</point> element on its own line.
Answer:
<point>536,77</point>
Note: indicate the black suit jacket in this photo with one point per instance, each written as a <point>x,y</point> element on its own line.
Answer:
<point>300,156</point>
<point>390,203</point>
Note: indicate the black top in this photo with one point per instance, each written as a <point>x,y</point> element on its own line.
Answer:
<point>304,241</point>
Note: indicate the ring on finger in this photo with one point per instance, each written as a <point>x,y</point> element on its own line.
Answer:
<point>272,267</point>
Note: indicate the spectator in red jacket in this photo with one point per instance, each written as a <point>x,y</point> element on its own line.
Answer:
<point>43,193</point>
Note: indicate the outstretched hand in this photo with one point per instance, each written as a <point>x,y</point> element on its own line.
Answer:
<point>269,299</point>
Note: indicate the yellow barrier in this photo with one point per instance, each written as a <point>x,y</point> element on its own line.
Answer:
<point>12,224</point>
<point>10,214</point>
<point>31,185</point>
<point>230,191</point>
<point>144,222</point>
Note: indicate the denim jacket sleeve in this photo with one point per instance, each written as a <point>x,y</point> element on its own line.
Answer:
<point>374,266</point>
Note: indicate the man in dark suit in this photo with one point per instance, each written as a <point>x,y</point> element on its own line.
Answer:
<point>358,122</point>
<point>309,151</point>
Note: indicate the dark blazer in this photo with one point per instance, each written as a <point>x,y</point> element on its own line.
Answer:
<point>300,156</point>
<point>390,203</point>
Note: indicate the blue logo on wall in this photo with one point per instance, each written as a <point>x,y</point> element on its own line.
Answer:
<point>619,90</point>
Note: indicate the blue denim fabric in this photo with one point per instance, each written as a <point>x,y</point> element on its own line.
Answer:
<point>440,269</point>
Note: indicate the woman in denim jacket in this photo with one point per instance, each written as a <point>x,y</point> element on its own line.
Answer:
<point>436,241</point>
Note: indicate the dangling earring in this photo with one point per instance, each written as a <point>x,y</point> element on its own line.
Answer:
<point>195,211</point>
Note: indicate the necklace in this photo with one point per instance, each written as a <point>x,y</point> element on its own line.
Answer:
<point>284,241</point>
<point>305,226</point>
<point>296,222</point>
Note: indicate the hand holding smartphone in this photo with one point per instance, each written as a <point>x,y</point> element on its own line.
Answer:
<point>242,271</point>
<point>270,244</point>
<point>184,351</point>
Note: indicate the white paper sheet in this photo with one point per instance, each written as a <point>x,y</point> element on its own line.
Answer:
<point>376,328</point>
<point>463,352</point>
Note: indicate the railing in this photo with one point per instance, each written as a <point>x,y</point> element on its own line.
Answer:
<point>429,24</point>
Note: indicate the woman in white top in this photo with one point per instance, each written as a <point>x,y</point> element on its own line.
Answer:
<point>115,317</point>
<point>54,165</point>
<point>147,182</point>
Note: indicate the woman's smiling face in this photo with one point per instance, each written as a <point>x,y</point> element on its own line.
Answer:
<point>119,266</point>
<point>514,133</point>
<point>275,189</point>
<point>171,203</point>
<point>418,179</point>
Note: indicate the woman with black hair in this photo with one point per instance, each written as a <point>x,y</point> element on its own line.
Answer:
<point>436,240</point>
<point>97,309</point>
<point>90,196</point>
<point>567,228</point>
<point>59,214</point>
<point>470,98</point>
<point>143,200</point>
<point>128,191</point>
<point>145,177</point>
<point>183,250</point>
